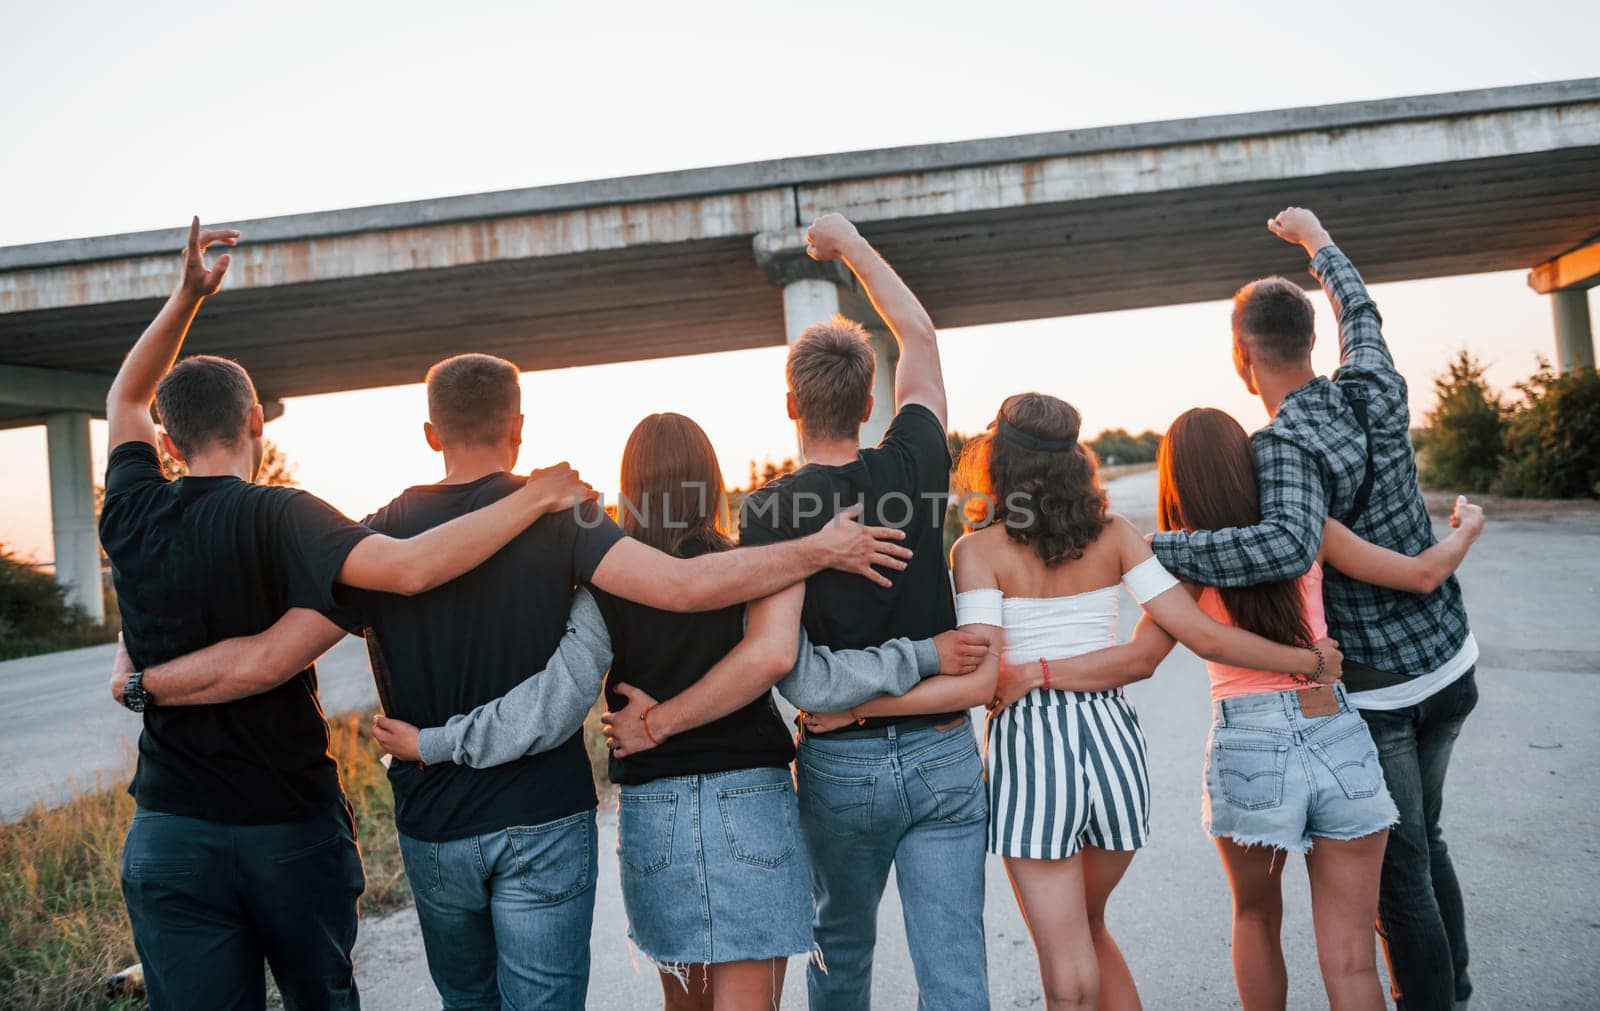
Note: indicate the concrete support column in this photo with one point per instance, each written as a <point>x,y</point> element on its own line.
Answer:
<point>807,301</point>
<point>1574,338</point>
<point>72,518</point>
<point>888,352</point>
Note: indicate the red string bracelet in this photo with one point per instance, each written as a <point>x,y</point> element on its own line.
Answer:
<point>644,718</point>
<point>1044,665</point>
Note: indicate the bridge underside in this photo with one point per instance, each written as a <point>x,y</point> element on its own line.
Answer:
<point>692,297</point>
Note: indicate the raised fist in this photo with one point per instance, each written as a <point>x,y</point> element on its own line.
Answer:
<point>829,236</point>
<point>1300,227</point>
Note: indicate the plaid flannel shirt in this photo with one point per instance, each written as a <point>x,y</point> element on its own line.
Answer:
<point>1310,460</point>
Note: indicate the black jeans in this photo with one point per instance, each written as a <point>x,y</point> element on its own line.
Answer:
<point>1420,916</point>
<point>211,902</point>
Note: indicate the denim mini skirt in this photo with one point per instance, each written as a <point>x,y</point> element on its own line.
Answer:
<point>714,868</point>
<point>1276,777</point>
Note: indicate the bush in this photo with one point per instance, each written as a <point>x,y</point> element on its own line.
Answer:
<point>1465,429</point>
<point>1118,446</point>
<point>35,616</point>
<point>1552,443</point>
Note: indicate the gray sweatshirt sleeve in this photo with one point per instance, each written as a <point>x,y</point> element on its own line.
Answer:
<point>537,714</point>
<point>830,681</point>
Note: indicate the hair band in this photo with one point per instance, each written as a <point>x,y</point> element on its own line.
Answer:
<point>1017,437</point>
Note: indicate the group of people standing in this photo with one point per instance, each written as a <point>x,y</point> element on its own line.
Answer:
<point>1300,563</point>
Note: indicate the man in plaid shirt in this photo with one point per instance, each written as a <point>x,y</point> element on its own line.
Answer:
<point>1342,449</point>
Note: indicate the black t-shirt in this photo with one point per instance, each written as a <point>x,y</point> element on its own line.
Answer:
<point>662,654</point>
<point>203,559</point>
<point>904,482</point>
<point>471,641</point>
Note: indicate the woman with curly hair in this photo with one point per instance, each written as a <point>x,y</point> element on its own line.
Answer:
<point>1069,796</point>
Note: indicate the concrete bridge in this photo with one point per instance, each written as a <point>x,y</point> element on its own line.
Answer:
<point>705,260</point>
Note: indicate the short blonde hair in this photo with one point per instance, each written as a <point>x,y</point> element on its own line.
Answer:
<point>830,374</point>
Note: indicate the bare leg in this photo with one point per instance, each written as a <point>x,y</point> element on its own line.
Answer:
<point>689,992</point>
<point>748,986</point>
<point>1102,869</point>
<point>1051,894</point>
<point>1344,904</point>
<point>1255,873</point>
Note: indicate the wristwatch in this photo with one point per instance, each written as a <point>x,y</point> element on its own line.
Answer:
<point>134,695</point>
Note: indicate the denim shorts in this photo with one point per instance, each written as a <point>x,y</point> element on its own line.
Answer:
<point>1276,777</point>
<point>714,869</point>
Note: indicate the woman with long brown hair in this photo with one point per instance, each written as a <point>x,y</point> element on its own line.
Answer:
<point>1068,790</point>
<point>1287,765</point>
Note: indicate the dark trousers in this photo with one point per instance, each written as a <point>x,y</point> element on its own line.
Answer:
<point>210,903</point>
<point>1421,919</point>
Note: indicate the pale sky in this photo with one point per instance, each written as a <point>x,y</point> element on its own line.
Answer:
<point>124,117</point>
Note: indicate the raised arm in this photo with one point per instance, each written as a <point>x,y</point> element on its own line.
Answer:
<point>722,578</point>
<point>918,379</point>
<point>537,715</point>
<point>134,389</point>
<point>234,668</point>
<point>1423,573</point>
<point>434,557</point>
<point>1294,509</point>
<point>1361,343</point>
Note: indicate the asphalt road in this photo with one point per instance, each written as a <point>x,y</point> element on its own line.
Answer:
<point>1521,813</point>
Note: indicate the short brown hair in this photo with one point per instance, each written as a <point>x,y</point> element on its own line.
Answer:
<point>1049,499</point>
<point>472,398</point>
<point>830,374</point>
<point>204,400</point>
<point>1275,317</point>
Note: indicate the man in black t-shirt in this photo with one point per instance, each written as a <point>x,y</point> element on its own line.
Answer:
<point>502,860</point>
<point>242,850</point>
<point>902,791</point>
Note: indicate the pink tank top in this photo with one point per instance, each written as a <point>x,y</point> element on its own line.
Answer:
<point>1226,681</point>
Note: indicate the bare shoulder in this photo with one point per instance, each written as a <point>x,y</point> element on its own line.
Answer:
<point>1128,539</point>
<point>1123,529</point>
<point>976,552</point>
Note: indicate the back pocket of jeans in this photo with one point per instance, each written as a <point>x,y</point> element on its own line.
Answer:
<point>644,830</point>
<point>1251,772</point>
<point>956,782</point>
<point>555,861</point>
<point>759,823</point>
<point>838,804</point>
<point>1353,759</point>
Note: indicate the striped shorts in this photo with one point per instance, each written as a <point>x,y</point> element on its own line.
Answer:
<point>1066,770</point>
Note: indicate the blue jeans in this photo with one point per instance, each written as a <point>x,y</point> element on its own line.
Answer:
<point>915,801</point>
<point>1421,919</point>
<point>211,902</point>
<point>506,915</point>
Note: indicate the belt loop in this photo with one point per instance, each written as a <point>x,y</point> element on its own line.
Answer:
<point>1222,713</point>
<point>1291,705</point>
